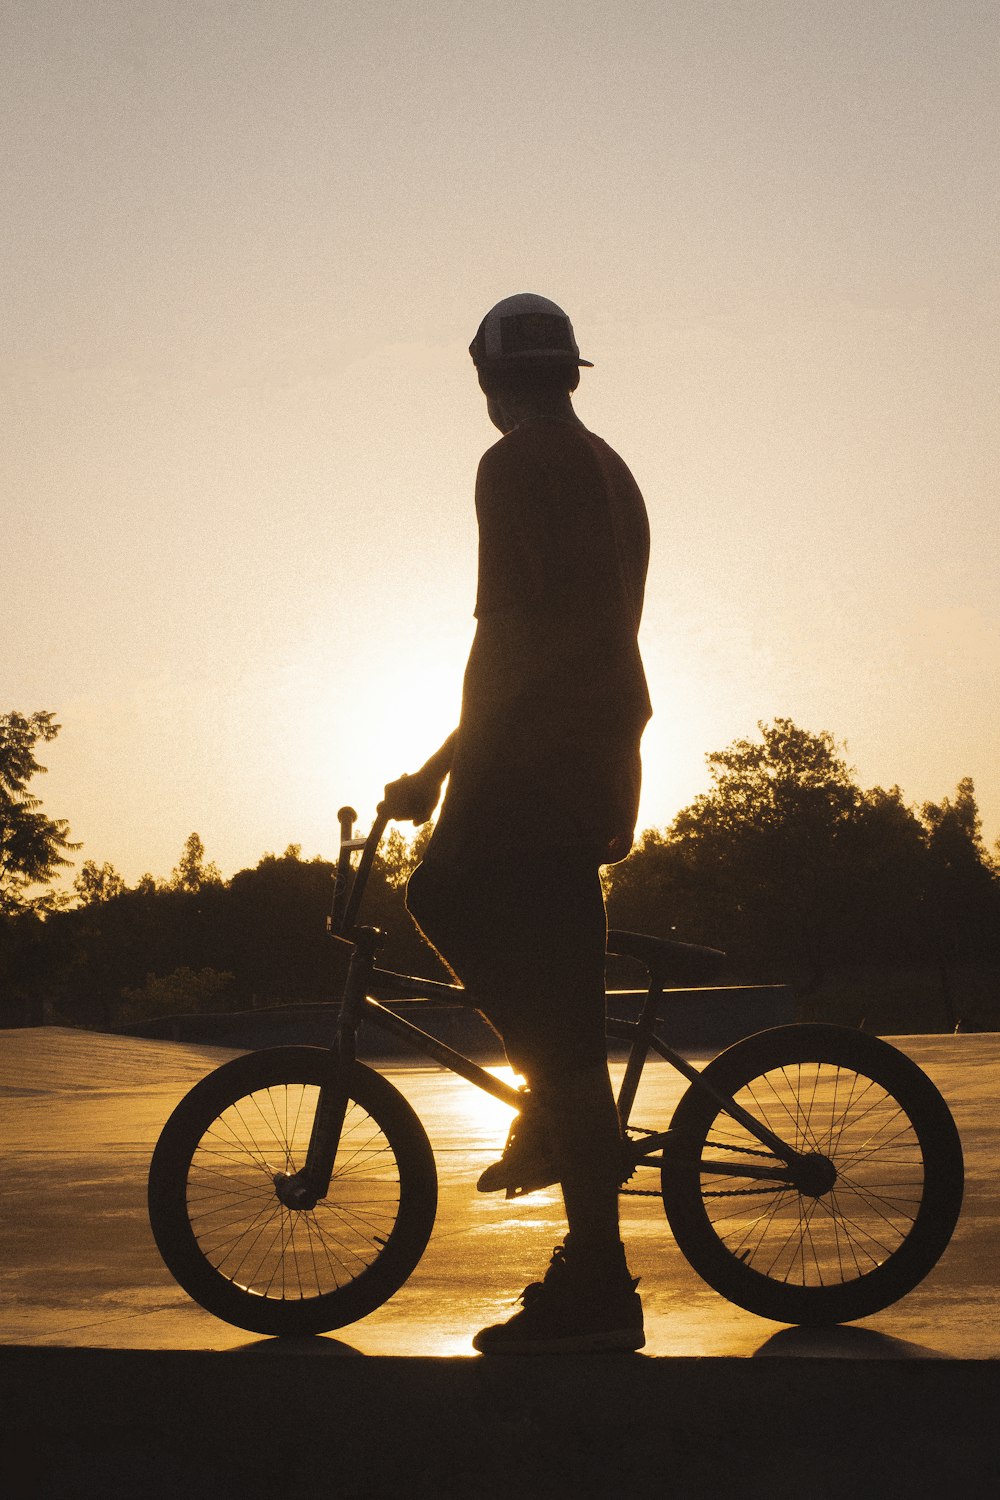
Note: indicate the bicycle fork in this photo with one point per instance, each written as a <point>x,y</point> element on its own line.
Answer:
<point>304,1189</point>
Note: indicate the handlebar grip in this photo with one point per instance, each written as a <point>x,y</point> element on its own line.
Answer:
<point>347,818</point>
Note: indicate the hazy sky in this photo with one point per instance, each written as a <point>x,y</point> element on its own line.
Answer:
<point>246,246</point>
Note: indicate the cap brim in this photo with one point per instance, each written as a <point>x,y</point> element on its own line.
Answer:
<point>528,360</point>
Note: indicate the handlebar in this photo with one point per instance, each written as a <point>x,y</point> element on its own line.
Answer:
<point>344,912</point>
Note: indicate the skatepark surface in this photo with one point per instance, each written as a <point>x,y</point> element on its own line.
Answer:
<point>114,1382</point>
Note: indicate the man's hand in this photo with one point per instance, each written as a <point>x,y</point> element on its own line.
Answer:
<point>411,798</point>
<point>414,798</point>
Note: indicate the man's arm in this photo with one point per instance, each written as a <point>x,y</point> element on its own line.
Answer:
<point>414,798</point>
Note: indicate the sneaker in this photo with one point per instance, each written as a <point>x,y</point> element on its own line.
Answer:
<point>528,1161</point>
<point>571,1312</point>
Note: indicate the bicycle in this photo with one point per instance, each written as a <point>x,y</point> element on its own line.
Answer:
<point>810,1173</point>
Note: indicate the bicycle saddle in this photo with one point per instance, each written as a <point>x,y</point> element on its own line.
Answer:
<point>669,963</point>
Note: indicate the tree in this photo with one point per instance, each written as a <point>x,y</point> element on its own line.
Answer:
<point>32,845</point>
<point>793,869</point>
<point>769,838</point>
<point>183,992</point>
<point>192,872</point>
<point>884,884</point>
<point>964,884</point>
<point>270,930</point>
<point>97,884</point>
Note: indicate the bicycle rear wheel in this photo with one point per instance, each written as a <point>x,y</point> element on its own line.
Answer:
<point>869,1218</point>
<point>236,1248</point>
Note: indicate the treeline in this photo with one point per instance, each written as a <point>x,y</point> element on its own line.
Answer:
<point>786,862</point>
<point>794,869</point>
<point>197,942</point>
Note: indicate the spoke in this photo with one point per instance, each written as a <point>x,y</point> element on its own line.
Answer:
<point>838,1113</point>
<point>209,1183</point>
<point>870,1146</point>
<point>874,1201</point>
<point>806,1135</point>
<point>265,1222</point>
<point>762,1109</point>
<point>279,1266</point>
<point>879,1103</point>
<point>759,1224</point>
<point>807,1220</point>
<point>243,1143</point>
<point>313,1234</point>
<point>859,1232</point>
<point>222,1248</point>
<point>235,1208</point>
<point>330,1241</point>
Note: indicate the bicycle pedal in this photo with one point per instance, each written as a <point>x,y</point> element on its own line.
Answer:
<point>522,1192</point>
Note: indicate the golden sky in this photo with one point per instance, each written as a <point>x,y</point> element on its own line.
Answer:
<point>246,246</point>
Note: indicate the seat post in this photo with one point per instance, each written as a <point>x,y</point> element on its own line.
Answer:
<point>639,1051</point>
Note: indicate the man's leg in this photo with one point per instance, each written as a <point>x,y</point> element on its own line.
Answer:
<point>587,1301</point>
<point>554,1023</point>
<point>547,1001</point>
<point>587,1138</point>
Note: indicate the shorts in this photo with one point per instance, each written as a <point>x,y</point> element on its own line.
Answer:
<point>527,939</point>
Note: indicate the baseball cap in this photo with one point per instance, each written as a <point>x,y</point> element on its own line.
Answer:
<point>525,331</point>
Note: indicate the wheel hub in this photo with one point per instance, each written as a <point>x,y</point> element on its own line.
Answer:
<point>293,1192</point>
<point>815,1175</point>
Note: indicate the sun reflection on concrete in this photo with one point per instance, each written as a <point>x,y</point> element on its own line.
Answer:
<point>82,1113</point>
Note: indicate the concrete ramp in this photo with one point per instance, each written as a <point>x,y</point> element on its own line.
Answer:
<point>278,1421</point>
<point>113,1382</point>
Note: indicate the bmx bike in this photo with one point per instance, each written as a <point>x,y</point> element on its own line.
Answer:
<point>810,1173</point>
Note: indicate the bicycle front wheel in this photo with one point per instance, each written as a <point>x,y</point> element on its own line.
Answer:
<point>875,1206</point>
<point>236,1248</point>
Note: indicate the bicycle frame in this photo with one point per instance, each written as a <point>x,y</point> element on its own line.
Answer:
<point>306,1187</point>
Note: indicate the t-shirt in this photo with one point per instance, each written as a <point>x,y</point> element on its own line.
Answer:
<point>554,699</point>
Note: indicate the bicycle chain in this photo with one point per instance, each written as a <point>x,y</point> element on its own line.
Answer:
<point>715,1145</point>
<point>776,1187</point>
<point>715,1192</point>
<point>712,1192</point>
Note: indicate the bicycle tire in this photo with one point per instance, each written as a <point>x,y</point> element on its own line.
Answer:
<point>836,1255</point>
<point>236,1249</point>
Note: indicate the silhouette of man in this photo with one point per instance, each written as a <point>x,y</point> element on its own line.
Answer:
<point>543,788</point>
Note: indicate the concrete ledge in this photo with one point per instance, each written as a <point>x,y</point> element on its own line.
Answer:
<point>257,1420</point>
<point>708,1018</point>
